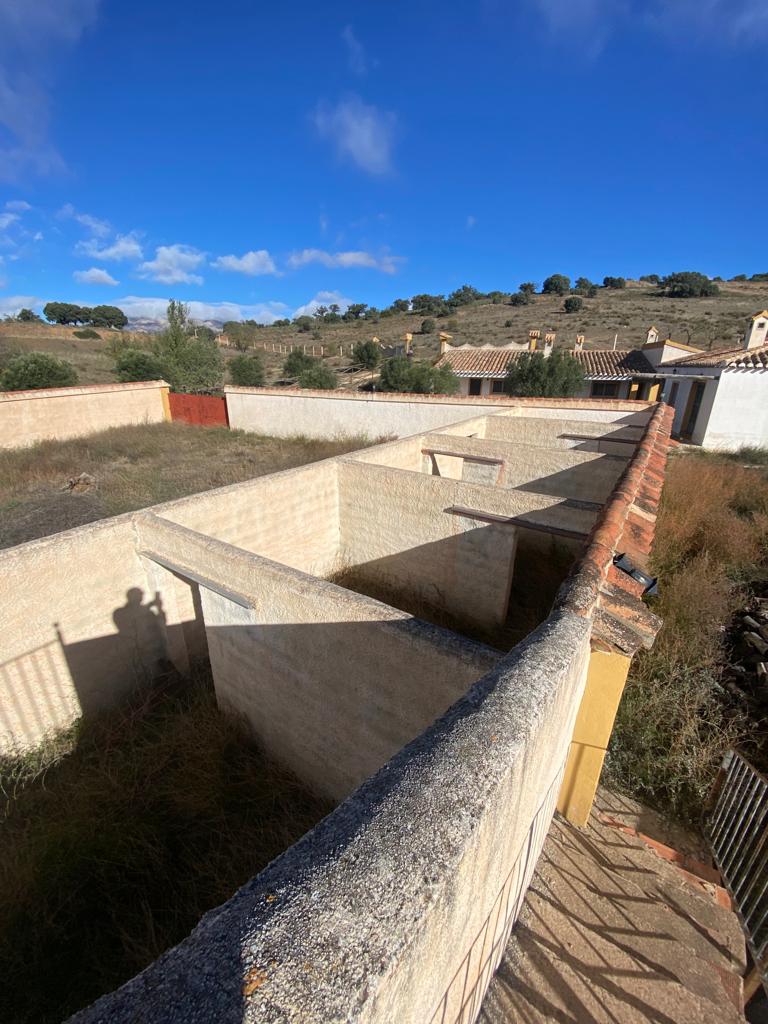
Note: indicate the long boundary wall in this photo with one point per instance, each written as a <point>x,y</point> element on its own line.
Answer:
<point>56,414</point>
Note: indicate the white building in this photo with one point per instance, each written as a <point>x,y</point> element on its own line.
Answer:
<point>720,397</point>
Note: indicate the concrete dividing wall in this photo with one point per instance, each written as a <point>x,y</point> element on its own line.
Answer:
<point>317,670</point>
<point>603,437</point>
<point>27,417</point>
<point>284,412</point>
<point>395,529</point>
<point>77,631</point>
<point>397,907</point>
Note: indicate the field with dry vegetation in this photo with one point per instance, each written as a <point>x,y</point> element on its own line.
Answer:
<point>624,314</point>
<point>57,485</point>
<point>685,703</point>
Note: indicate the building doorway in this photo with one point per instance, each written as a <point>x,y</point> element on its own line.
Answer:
<point>692,410</point>
<point>475,386</point>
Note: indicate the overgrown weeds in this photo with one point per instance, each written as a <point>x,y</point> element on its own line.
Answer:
<point>676,720</point>
<point>120,834</point>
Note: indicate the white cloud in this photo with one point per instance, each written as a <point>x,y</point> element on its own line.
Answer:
<point>251,263</point>
<point>96,226</point>
<point>124,247</point>
<point>360,132</point>
<point>345,260</point>
<point>155,308</point>
<point>18,205</point>
<point>6,219</point>
<point>356,58</point>
<point>11,304</point>
<point>323,299</point>
<point>174,264</point>
<point>38,236</point>
<point>31,36</point>
<point>94,276</point>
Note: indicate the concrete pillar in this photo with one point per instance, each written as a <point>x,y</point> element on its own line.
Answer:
<point>166,404</point>
<point>606,676</point>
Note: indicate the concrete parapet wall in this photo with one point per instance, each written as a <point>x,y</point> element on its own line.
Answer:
<point>398,905</point>
<point>284,412</point>
<point>316,669</point>
<point>27,417</point>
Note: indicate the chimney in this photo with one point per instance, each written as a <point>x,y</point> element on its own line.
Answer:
<point>533,340</point>
<point>408,339</point>
<point>549,344</point>
<point>757,330</point>
<point>652,336</point>
<point>444,342</point>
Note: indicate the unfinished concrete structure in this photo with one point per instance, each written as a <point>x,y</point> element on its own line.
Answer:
<point>447,756</point>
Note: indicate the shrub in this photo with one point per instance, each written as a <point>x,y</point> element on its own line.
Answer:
<point>650,278</point>
<point>366,354</point>
<point>188,363</point>
<point>296,362</point>
<point>688,284</point>
<point>533,374</point>
<point>318,377</point>
<point>528,288</point>
<point>428,326</point>
<point>400,374</point>
<point>28,316</point>
<point>739,277</point>
<point>247,371</point>
<point>586,287</point>
<point>573,304</point>
<point>33,370</point>
<point>521,299</point>
<point>135,364</point>
<point>86,332</point>
<point>614,282</point>
<point>303,324</point>
<point>556,284</point>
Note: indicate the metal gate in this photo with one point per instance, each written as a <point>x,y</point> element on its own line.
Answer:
<point>737,830</point>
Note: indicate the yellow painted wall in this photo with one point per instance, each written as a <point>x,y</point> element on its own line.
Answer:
<point>606,677</point>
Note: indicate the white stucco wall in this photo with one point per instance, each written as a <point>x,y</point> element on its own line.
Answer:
<point>739,413</point>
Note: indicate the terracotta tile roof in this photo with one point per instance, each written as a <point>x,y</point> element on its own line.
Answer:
<point>597,363</point>
<point>612,363</point>
<point>746,359</point>
<point>479,362</point>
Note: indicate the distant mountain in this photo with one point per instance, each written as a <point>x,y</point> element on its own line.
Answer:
<point>151,326</point>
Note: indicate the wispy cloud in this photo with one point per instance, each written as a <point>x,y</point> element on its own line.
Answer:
<point>18,205</point>
<point>360,132</point>
<point>11,304</point>
<point>31,36</point>
<point>252,263</point>
<point>97,227</point>
<point>690,22</point>
<point>174,264</point>
<point>356,55</point>
<point>6,219</point>
<point>345,260</point>
<point>155,308</point>
<point>323,299</point>
<point>471,221</point>
<point>124,247</point>
<point>94,276</point>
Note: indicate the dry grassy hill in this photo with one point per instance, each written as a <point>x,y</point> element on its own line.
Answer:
<point>709,323</point>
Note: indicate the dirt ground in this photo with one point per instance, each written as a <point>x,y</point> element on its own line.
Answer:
<point>132,467</point>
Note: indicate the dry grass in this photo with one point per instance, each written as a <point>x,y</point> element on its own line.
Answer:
<point>134,467</point>
<point>118,836</point>
<point>675,720</point>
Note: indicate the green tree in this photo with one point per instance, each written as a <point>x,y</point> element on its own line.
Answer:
<point>137,364</point>
<point>585,287</point>
<point>400,306</point>
<point>650,278</point>
<point>296,363</point>
<point>534,375</point>
<point>247,371</point>
<point>108,316</point>
<point>528,288</point>
<point>521,299</point>
<point>463,296</point>
<point>688,284</point>
<point>428,326</point>
<point>400,374</point>
<point>430,305</point>
<point>66,313</point>
<point>366,354</point>
<point>32,370</point>
<point>355,310</point>
<point>614,282</point>
<point>304,324</point>
<point>188,363</point>
<point>27,316</point>
<point>317,377</point>
<point>573,304</point>
<point>556,284</point>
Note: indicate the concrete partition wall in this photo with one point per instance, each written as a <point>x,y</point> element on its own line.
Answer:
<point>27,417</point>
<point>396,528</point>
<point>593,435</point>
<point>316,670</point>
<point>79,628</point>
<point>397,907</point>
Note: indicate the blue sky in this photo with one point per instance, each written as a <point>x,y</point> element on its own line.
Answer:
<point>254,158</point>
